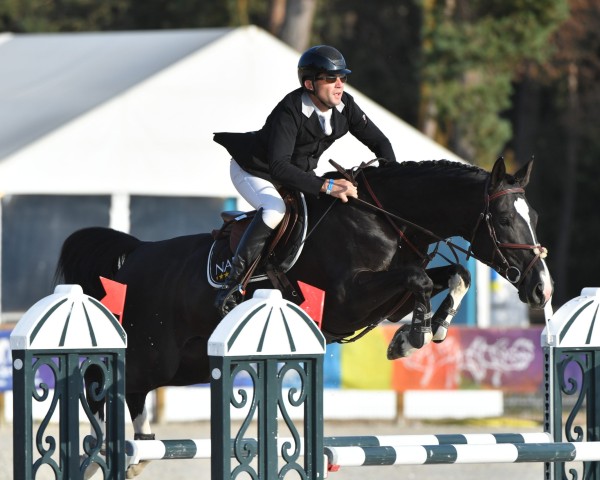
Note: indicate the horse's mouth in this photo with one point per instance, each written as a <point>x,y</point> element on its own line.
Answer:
<point>537,292</point>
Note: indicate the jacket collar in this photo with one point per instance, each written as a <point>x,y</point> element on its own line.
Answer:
<point>313,125</point>
<point>308,107</point>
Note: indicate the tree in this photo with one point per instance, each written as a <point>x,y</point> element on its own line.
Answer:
<point>563,100</point>
<point>86,15</point>
<point>381,45</point>
<point>472,51</point>
<point>292,21</point>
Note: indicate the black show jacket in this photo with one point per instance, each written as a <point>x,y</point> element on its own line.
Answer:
<point>286,150</point>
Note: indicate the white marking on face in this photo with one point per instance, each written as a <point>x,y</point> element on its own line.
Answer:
<point>523,209</point>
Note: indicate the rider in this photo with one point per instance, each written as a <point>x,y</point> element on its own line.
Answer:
<point>286,150</point>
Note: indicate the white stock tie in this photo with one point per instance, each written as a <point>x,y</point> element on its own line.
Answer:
<point>325,123</point>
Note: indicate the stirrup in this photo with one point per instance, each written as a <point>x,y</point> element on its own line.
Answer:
<point>228,299</point>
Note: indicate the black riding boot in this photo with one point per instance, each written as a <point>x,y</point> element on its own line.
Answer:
<point>249,248</point>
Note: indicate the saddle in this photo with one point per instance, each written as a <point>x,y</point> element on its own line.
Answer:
<point>279,255</point>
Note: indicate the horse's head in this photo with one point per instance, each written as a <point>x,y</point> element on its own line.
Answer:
<point>505,236</point>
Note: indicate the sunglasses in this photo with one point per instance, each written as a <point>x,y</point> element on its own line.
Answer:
<point>333,78</point>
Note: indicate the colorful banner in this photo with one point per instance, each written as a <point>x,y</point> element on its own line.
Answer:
<point>509,359</point>
<point>470,358</point>
<point>5,361</point>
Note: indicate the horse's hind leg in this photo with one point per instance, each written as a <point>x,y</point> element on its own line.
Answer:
<point>458,285</point>
<point>136,402</point>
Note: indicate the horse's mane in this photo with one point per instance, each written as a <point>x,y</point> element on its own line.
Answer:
<point>428,168</point>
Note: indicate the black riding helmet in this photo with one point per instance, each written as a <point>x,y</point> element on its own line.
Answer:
<point>321,59</point>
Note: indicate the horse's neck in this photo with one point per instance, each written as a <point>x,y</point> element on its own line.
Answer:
<point>445,205</point>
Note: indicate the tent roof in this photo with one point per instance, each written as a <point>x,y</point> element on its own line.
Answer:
<point>55,78</point>
<point>134,112</point>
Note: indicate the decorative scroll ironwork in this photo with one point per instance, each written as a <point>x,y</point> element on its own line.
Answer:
<point>576,387</point>
<point>40,394</point>
<point>263,388</point>
<point>55,380</point>
<point>573,380</point>
<point>296,398</point>
<point>244,451</point>
<point>97,392</point>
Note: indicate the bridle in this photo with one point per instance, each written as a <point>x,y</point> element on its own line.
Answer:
<point>508,271</point>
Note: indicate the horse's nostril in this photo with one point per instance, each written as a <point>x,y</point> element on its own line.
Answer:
<point>539,289</point>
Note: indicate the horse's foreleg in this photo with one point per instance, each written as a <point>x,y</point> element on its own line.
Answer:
<point>407,339</point>
<point>381,292</point>
<point>458,286</point>
<point>141,428</point>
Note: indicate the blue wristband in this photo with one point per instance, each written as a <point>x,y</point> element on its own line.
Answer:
<point>329,187</point>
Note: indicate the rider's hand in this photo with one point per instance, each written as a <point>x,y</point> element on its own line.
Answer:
<point>341,189</point>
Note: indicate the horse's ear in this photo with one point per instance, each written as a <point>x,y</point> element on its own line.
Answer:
<point>498,173</point>
<point>522,176</point>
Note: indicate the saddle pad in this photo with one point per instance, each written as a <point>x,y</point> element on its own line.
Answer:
<point>219,262</point>
<point>220,256</point>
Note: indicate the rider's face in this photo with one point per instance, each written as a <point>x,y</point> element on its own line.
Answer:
<point>327,90</point>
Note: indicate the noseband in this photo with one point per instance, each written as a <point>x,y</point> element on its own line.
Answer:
<point>508,271</point>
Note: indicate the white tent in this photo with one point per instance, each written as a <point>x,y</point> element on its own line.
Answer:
<point>133,113</point>
<point>155,136</point>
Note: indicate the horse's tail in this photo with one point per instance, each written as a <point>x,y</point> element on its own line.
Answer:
<point>90,253</point>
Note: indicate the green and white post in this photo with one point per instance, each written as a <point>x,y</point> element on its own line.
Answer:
<point>53,345</point>
<point>266,360</point>
<point>571,345</point>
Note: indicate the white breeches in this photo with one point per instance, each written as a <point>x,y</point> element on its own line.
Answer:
<point>259,193</point>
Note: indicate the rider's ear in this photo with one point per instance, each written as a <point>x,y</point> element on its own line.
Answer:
<point>498,173</point>
<point>522,176</point>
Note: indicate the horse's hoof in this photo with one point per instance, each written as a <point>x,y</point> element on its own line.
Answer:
<point>440,335</point>
<point>440,330</point>
<point>90,470</point>
<point>134,470</point>
<point>400,346</point>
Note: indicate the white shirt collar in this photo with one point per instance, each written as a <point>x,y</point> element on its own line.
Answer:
<point>308,107</point>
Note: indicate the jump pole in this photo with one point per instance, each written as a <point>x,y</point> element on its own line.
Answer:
<point>138,450</point>
<point>451,454</point>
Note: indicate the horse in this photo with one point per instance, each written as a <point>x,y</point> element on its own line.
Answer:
<point>369,255</point>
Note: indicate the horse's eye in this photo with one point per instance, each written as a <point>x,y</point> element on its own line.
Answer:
<point>504,221</point>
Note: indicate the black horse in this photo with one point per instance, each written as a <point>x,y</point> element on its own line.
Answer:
<point>368,255</point>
